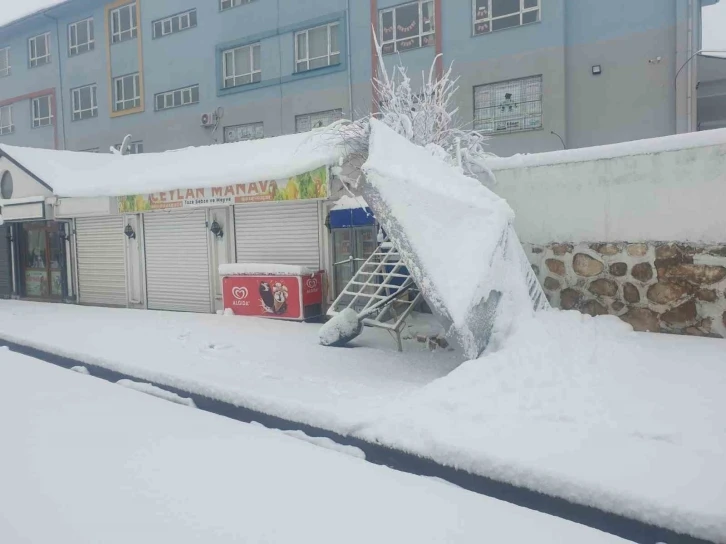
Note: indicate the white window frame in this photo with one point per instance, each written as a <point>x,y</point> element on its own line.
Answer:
<point>6,120</point>
<point>135,148</point>
<point>229,4</point>
<point>390,44</point>
<point>37,121</point>
<point>177,98</point>
<point>122,102</point>
<point>78,48</point>
<point>5,55</point>
<point>34,60</point>
<point>77,114</point>
<point>252,131</point>
<point>118,34</point>
<point>332,115</point>
<point>254,75</point>
<point>482,23</point>
<point>166,26</point>
<point>501,115</point>
<point>306,59</point>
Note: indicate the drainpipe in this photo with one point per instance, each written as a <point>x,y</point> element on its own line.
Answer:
<point>350,59</point>
<point>689,93</point>
<point>62,117</point>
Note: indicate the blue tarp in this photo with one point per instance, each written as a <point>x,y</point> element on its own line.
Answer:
<point>354,217</point>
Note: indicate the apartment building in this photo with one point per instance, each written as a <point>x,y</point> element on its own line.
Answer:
<point>537,75</point>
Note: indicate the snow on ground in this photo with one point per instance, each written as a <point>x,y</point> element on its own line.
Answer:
<point>154,391</point>
<point>573,406</point>
<point>97,463</point>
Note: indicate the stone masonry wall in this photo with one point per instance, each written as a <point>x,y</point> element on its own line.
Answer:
<point>655,286</point>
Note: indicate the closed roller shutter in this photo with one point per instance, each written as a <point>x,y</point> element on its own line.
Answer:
<point>101,247</point>
<point>177,261</point>
<point>279,232</point>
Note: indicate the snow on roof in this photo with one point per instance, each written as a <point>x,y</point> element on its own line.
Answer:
<point>13,12</point>
<point>623,149</point>
<point>347,202</point>
<point>75,174</point>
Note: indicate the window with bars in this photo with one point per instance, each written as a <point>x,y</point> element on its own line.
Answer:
<point>132,148</point>
<point>39,50</point>
<point>241,66</point>
<point>124,25</point>
<point>81,37</point>
<point>407,26</point>
<point>241,133</point>
<point>4,61</point>
<point>317,47</point>
<point>126,92</point>
<point>229,4</point>
<point>84,103</point>
<point>490,15</point>
<point>6,120</point>
<point>176,98</point>
<point>174,23</point>
<point>309,121</point>
<point>508,106</point>
<point>42,111</point>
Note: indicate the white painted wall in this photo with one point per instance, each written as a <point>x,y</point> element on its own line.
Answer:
<point>665,191</point>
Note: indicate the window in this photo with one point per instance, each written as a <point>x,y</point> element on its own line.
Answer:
<point>229,4</point>
<point>80,37</point>
<point>407,26</point>
<point>179,97</point>
<point>5,62</point>
<point>6,120</point>
<point>42,112</point>
<point>241,133</point>
<point>84,103</point>
<point>39,50</point>
<point>305,123</point>
<point>241,66</point>
<point>317,47</point>
<point>126,92</point>
<point>175,23</point>
<point>123,23</point>
<point>499,14</point>
<point>133,148</point>
<point>509,106</point>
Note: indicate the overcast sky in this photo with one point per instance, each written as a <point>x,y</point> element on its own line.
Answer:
<point>714,18</point>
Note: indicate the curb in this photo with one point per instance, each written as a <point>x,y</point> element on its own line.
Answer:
<point>615,524</point>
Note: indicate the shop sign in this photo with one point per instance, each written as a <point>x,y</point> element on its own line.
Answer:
<point>310,185</point>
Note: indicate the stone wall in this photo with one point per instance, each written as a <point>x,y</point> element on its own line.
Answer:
<point>655,286</point>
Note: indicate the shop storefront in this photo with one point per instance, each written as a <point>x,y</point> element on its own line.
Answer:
<point>159,250</point>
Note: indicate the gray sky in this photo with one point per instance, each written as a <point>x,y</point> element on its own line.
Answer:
<point>714,18</point>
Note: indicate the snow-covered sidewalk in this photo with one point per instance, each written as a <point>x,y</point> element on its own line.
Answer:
<point>572,406</point>
<point>84,461</point>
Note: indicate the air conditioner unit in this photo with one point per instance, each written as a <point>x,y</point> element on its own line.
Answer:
<point>209,119</point>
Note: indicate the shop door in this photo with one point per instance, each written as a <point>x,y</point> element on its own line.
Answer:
<point>101,261</point>
<point>43,260</point>
<point>177,260</point>
<point>351,247</point>
<point>279,233</point>
<point>221,248</point>
<point>6,282</point>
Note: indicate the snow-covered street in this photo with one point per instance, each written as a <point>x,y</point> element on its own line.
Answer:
<point>95,462</point>
<point>575,407</point>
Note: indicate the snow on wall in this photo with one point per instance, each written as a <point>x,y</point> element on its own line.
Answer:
<point>665,189</point>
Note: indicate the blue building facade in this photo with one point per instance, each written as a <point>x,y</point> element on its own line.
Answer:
<point>535,74</point>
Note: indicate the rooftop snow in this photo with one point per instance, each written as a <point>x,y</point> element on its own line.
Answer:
<point>13,12</point>
<point>74,174</point>
<point>623,149</point>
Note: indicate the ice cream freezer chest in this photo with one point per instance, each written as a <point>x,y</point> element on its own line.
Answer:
<point>293,297</point>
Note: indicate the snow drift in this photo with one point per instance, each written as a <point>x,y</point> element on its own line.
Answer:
<point>455,236</point>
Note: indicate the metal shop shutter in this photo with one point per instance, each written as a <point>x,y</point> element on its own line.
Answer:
<point>279,232</point>
<point>177,261</point>
<point>101,247</point>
